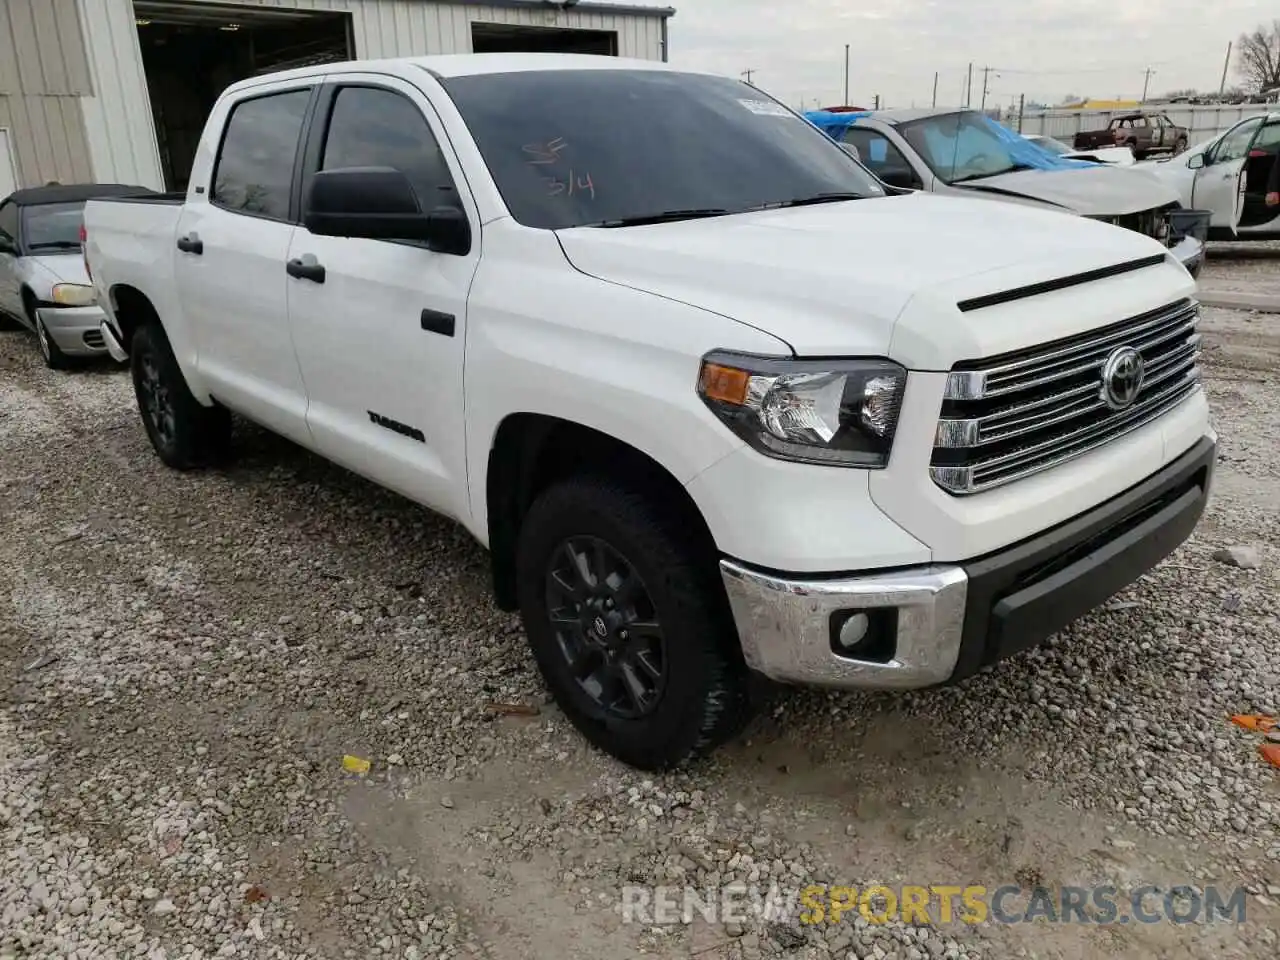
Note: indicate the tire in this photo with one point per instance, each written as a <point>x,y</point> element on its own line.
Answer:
<point>53,356</point>
<point>703,694</point>
<point>184,433</point>
<point>1179,146</point>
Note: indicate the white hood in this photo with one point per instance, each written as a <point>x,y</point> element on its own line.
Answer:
<point>833,280</point>
<point>1103,191</point>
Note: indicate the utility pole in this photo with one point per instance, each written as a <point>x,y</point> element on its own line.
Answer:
<point>935,88</point>
<point>1222,87</point>
<point>968,87</point>
<point>1022,103</point>
<point>877,101</point>
<point>986,72</point>
<point>1146,82</point>
<point>846,75</point>
<point>747,74</point>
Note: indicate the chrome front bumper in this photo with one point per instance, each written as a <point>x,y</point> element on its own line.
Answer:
<point>943,623</point>
<point>785,625</point>
<point>75,330</point>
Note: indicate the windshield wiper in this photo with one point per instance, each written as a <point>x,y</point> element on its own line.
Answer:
<point>829,197</point>
<point>55,245</point>
<point>667,216</point>
<point>994,173</point>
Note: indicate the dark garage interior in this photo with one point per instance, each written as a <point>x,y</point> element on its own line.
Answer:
<point>191,53</point>
<point>508,38</point>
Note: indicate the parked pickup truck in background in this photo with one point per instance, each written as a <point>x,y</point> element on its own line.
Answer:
<point>1143,133</point>
<point>723,415</point>
<point>962,152</point>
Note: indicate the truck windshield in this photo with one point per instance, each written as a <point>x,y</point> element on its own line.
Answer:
<point>52,226</point>
<point>572,148</point>
<point>961,146</point>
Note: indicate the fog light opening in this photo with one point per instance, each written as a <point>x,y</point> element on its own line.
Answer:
<point>867,635</point>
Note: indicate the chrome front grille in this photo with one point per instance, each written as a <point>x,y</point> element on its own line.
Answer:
<point>1013,416</point>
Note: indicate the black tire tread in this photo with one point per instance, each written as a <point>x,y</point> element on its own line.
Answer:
<point>203,433</point>
<point>691,588</point>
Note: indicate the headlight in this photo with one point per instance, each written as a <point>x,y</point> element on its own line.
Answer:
<point>74,295</point>
<point>838,412</point>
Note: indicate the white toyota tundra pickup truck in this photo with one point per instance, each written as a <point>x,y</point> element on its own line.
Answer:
<point>720,405</point>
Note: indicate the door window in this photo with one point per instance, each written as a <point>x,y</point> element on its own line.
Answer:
<point>375,127</point>
<point>1268,138</point>
<point>881,157</point>
<point>1234,145</point>
<point>254,170</point>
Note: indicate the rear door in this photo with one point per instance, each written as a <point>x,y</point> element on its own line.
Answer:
<point>232,244</point>
<point>380,333</point>
<point>1219,184</point>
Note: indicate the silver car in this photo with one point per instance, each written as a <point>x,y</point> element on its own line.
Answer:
<point>44,284</point>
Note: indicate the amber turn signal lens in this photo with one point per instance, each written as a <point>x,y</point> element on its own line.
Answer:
<point>726,384</point>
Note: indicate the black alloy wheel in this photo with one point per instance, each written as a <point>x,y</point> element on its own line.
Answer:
<point>606,627</point>
<point>157,403</point>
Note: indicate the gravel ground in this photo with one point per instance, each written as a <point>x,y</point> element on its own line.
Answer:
<point>186,659</point>
<point>1247,267</point>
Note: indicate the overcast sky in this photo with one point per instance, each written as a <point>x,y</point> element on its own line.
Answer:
<point>1043,48</point>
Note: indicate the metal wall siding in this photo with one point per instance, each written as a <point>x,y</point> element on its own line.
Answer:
<point>42,50</point>
<point>117,116</point>
<point>118,124</point>
<point>47,138</point>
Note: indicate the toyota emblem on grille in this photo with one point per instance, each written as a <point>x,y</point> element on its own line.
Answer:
<point>1122,377</point>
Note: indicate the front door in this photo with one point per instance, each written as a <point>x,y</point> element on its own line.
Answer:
<point>1219,184</point>
<point>380,331</point>
<point>232,246</point>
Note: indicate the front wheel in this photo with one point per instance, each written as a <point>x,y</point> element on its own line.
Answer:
<point>51,353</point>
<point>184,433</point>
<point>629,625</point>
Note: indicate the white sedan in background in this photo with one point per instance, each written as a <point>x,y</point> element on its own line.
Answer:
<point>1227,176</point>
<point>44,285</point>
<point>1118,156</point>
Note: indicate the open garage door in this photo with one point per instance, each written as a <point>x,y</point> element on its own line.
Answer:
<point>192,51</point>
<point>509,38</point>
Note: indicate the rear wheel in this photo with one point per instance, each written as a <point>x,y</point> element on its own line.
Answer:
<point>184,433</point>
<point>1179,146</point>
<point>629,625</point>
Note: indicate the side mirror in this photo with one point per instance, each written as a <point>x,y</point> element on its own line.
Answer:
<point>379,203</point>
<point>1195,161</point>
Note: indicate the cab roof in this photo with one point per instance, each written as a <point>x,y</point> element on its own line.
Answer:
<point>464,65</point>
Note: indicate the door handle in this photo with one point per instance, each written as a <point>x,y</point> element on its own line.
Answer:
<point>433,321</point>
<point>305,271</point>
<point>191,244</point>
